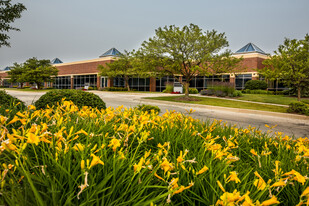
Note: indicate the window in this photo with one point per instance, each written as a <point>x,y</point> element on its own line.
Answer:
<point>63,82</point>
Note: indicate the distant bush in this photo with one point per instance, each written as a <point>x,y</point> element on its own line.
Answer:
<point>193,91</point>
<point>236,93</point>
<point>219,89</point>
<point>258,91</point>
<point>78,97</point>
<point>148,108</point>
<point>299,107</point>
<point>256,84</point>
<point>169,88</point>
<point>114,89</point>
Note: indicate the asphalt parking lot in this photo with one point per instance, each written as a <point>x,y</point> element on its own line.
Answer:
<point>289,124</point>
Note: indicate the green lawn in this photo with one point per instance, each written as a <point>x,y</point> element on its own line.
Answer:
<point>27,90</point>
<point>274,99</point>
<point>225,103</point>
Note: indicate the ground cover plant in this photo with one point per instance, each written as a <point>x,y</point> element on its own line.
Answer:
<point>224,103</point>
<point>79,97</point>
<point>71,156</point>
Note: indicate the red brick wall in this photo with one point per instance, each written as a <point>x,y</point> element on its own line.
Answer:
<point>81,68</point>
<point>3,75</point>
<point>252,64</point>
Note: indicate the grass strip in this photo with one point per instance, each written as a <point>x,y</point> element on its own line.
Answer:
<point>225,103</point>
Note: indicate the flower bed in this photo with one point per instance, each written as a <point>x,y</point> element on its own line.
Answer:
<point>70,156</point>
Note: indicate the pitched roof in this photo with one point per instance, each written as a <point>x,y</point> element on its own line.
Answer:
<point>250,48</point>
<point>7,69</point>
<point>56,61</point>
<point>111,52</point>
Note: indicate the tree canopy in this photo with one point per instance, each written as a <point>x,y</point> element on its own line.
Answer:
<point>8,14</point>
<point>290,64</point>
<point>187,52</point>
<point>33,71</point>
<point>121,67</point>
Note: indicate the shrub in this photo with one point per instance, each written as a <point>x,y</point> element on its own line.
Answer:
<point>169,88</point>
<point>299,107</point>
<point>193,91</point>
<point>78,97</point>
<point>6,101</point>
<point>256,84</point>
<point>258,91</point>
<point>115,89</point>
<point>148,108</point>
<point>236,93</point>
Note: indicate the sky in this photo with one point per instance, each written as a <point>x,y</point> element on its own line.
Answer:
<point>75,30</point>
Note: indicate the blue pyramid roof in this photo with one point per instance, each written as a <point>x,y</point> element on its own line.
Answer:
<point>111,52</point>
<point>250,47</point>
<point>7,69</point>
<point>56,61</point>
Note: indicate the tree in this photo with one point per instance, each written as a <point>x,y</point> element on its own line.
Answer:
<point>8,14</point>
<point>17,74</point>
<point>290,64</point>
<point>121,67</point>
<point>187,52</point>
<point>33,71</point>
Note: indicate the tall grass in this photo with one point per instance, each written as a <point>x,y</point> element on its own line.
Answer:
<point>70,156</point>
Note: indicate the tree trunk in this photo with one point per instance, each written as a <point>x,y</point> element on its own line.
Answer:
<point>21,85</point>
<point>186,89</point>
<point>38,85</point>
<point>126,82</point>
<point>298,93</point>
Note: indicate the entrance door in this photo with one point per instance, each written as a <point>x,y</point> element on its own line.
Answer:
<point>104,82</point>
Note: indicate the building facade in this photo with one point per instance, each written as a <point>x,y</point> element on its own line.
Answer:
<point>77,75</point>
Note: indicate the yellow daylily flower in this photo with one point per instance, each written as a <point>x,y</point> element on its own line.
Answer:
<point>253,152</point>
<point>305,192</point>
<point>114,143</point>
<point>280,183</point>
<point>233,177</point>
<point>31,107</point>
<point>259,183</point>
<point>271,201</point>
<point>82,132</point>
<point>79,147</point>
<point>33,139</point>
<point>166,166</point>
<point>137,167</point>
<point>95,160</point>
<point>201,171</point>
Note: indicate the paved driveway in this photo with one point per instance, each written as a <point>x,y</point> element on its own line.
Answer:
<point>296,125</point>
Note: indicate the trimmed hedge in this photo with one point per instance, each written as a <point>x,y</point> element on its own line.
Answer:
<point>78,97</point>
<point>193,91</point>
<point>256,84</point>
<point>115,89</point>
<point>6,101</point>
<point>299,107</point>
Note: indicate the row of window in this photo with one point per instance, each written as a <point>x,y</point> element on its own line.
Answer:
<point>143,84</point>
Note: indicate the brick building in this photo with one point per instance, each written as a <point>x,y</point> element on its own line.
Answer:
<point>75,75</point>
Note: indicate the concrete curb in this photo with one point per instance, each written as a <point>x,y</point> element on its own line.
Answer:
<point>236,110</point>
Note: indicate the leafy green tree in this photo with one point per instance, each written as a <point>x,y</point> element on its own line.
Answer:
<point>17,74</point>
<point>187,52</point>
<point>121,67</point>
<point>290,64</point>
<point>8,14</point>
<point>38,71</point>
